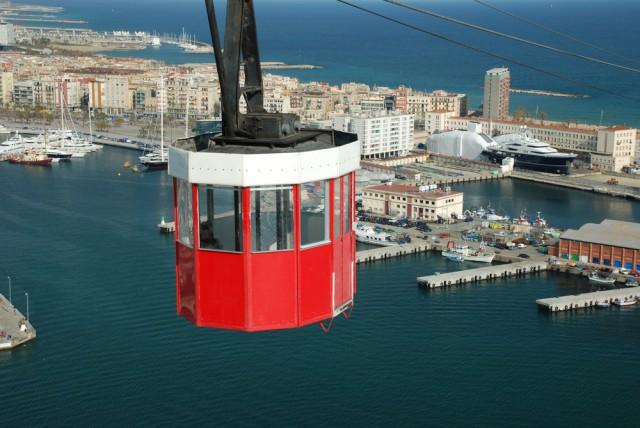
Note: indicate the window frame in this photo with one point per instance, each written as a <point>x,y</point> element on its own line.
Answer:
<point>327,214</point>
<point>292,202</point>
<point>242,219</point>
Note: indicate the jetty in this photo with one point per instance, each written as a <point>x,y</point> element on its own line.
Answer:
<point>383,253</point>
<point>469,276</point>
<point>15,328</point>
<point>587,300</point>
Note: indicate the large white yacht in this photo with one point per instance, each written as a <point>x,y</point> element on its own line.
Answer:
<point>530,153</point>
<point>13,146</point>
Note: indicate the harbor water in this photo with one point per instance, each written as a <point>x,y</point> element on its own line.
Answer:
<point>81,239</point>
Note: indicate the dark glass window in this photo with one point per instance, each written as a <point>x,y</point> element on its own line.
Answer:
<point>314,212</point>
<point>185,213</point>
<point>272,218</point>
<point>220,218</point>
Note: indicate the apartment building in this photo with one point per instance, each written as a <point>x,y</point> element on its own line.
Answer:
<point>436,121</point>
<point>6,88</point>
<point>412,202</point>
<point>497,83</point>
<point>420,103</point>
<point>382,134</point>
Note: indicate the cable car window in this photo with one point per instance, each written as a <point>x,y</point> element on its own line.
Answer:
<point>185,213</point>
<point>336,208</point>
<point>314,212</point>
<point>220,218</point>
<point>272,218</point>
<point>346,202</point>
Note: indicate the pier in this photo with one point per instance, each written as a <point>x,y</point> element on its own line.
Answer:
<point>15,328</point>
<point>383,253</point>
<point>482,274</point>
<point>587,300</point>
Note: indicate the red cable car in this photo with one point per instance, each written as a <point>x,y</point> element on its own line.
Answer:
<point>264,211</point>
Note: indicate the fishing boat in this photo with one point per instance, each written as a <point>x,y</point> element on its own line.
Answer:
<point>368,235</point>
<point>480,255</point>
<point>602,305</point>
<point>540,221</point>
<point>32,157</point>
<point>625,302</point>
<point>455,258</point>
<point>598,279</point>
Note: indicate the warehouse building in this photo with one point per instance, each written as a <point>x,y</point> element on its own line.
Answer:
<point>610,243</point>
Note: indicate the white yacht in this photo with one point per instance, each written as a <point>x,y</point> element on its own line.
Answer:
<point>530,153</point>
<point>13,146</point>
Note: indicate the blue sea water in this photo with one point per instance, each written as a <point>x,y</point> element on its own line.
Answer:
<point>352,46</point>
<point>81,239</point>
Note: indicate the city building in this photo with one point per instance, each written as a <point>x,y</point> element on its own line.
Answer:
<point>605,148</point>
<point>6,88</point>
<point>421,103</point>
<point>610,243</point>
<point>382,134</point>
<point>497,83</point>
<point>7,35</point>
<point>412,202</point>
<point>436,121</point>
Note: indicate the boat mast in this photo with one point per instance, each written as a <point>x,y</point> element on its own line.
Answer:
<point>186,119</point>
<point>162,99</point>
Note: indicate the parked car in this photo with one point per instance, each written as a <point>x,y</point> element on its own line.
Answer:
<point>524,256</point>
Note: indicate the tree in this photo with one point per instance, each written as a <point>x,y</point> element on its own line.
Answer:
<point>542,116</point>
<point>521,114</point>
<point>102,122</point>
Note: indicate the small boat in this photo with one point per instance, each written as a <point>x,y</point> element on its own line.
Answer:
<point>602,305</point>
<point>58,154</point>
<point>468,254</point>
<point>135,168</point>
<point>127,164</point>
<point>455,258</point>
<point>594,277</point>
<point>631,282</point>
<point>368,235</point>
<point>625,302</point>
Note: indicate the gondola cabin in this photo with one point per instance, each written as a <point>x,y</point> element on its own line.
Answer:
<point>264,236</point>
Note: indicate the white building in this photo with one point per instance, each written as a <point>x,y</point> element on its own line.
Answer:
<point>7,35</point>
<point>436,121</point>
<point>381,134</point>
<point>410,202</point>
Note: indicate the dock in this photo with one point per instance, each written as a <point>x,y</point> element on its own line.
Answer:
<point>15,328</point>
<point>509,270</point>
<point>383,253</point>
<point>167,227</point>
<point>587,300</point>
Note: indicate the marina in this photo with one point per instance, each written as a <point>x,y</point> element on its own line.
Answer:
<point>620,296</point>
<point>503,271</point>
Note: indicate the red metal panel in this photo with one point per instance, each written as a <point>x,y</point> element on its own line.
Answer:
<point>273,285</point>
<point>315,284</point>
<point>221,289</point>
<point>186,282</point>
